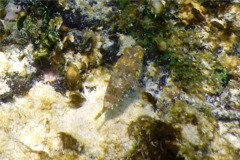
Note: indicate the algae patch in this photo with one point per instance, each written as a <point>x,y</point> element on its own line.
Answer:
<point>154,139</point>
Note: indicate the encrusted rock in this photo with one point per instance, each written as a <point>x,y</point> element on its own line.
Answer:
<point>192,12</point>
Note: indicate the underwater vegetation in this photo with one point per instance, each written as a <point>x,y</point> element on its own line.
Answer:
<point>192,67</point>
<point>193,50</point>
<point>73,77</point>
<point>136,19</point>
<point>176,42</point>
<point>70,142</point>
<point>198,131</point>
<point>154,140</point>
<point>76,99</point>
<point>54,30</point>
<point>41,27</point>
<point>182,133</point>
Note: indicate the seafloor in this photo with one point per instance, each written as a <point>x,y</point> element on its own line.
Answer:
<point>119,79</point>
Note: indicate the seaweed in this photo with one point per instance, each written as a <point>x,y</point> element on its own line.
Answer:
<point>73,77</point>
<point>40,25</point>
<point>70,143</point>
<point>18,85</point>
<point>54,30</point>
<point>49,28</point>
<point>200,130</point>
<point>76,99</point>
<point>149,98</point>
<point>154,140</point>
<point>173,46</point>
<point>194,71</point>
<point>136,19</point>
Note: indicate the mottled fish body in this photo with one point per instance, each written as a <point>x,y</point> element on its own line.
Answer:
<point>125,76</point>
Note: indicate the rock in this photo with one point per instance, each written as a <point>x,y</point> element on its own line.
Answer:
<point>12,12</point>
<point>157,6</point>
<point>220,24</point>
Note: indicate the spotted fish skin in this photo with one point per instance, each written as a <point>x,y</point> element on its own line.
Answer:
<point>125,76</point>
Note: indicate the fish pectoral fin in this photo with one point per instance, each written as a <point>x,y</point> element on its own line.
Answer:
<point>100,113</point>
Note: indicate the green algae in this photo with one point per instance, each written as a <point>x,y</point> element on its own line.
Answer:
<point>187,73</point>
<point>136,19</point>
<point>43,25</point>
<point>3,4</point>
<point>198,131</point>
<point>121,4</point>
<point>46,28</point>
<point>44,33</point>
<point>181,55</point>
<point>183,51</point>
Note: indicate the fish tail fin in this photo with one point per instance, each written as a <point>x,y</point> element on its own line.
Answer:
<point>100,113</point>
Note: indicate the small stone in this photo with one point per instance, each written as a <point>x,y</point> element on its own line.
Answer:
<point>162,46</point>
<point>230,17</point>
<point>218,23</point>
<point>12,12</point>
<point>157,6</point>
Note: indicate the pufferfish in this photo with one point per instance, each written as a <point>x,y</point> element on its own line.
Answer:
<point>125,75</point>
